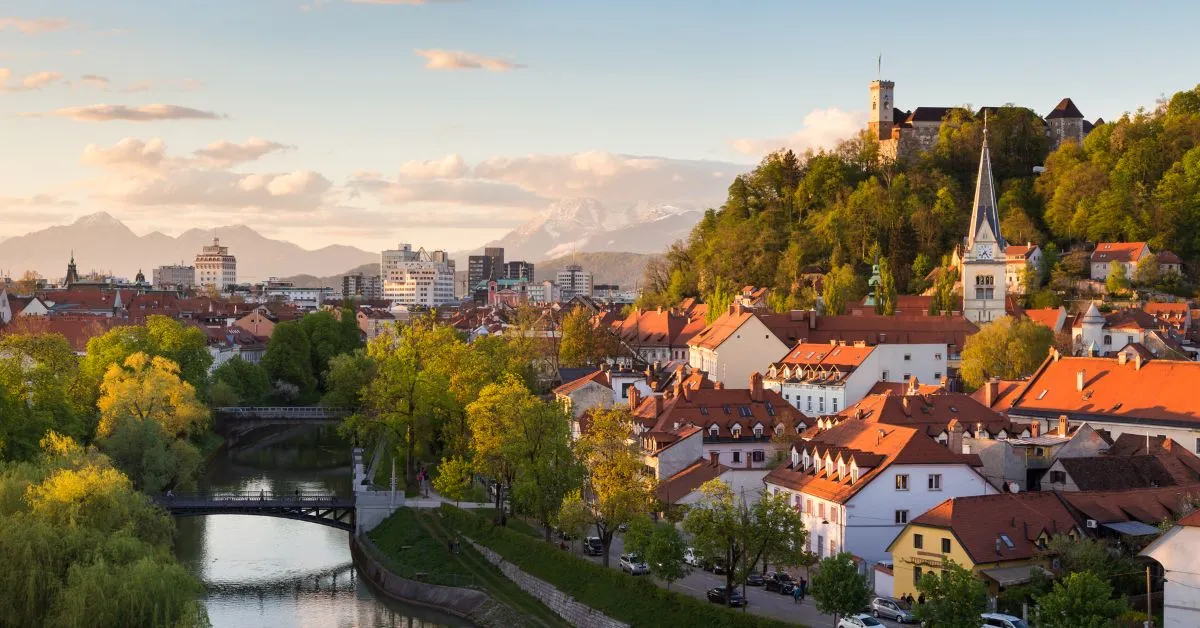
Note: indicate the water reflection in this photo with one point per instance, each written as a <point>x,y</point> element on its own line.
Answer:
<point>263,571</point>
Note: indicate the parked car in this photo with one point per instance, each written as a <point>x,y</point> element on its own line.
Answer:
<point>1000,620</point>
<point>690,557</point>
<point>721,595</point>
<point>755,580</point>
<point>634,565</point>
<point>593,546</point>
<point>891,608</point>
<point>859,621</point>
<point>780,582</point>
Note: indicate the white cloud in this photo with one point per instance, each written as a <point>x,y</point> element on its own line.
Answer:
<point>458,60</point>
<point>105,84</point>
<point>35,80</point>
<point>129,154</point>
<point>145,113</point>
<point>224,154</point>
<point>821,128</point>
<point>33,27</point>
<point>94,80</point>
<point>451,166</point>
<point>456,192</point>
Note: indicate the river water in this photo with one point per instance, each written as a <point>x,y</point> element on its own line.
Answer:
<point>268,572</point>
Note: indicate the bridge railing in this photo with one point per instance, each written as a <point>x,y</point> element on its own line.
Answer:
<point>298,412</point>
<point>255,497</point>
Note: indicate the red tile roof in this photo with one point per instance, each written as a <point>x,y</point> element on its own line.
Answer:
<point>978,523</point>
<point>598,376</point>
<point>1048,317</point>
<point>930,413</point>
<point>1147,505</point>
<point>1106,252</point>
<point>897,388</point>
<point>1107,473</point>
<point>1005,393</point>
<point>1136,445</point>
<point>680,485</point>
<point>1167,257</point>
<point>1160,390</point>
<point>1192,520</point>
<point>720,407</point>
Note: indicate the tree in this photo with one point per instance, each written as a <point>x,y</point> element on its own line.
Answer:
<point>1006,349</point>
<point>887,288</point>
<point>774,532</point>
<point>615,488</point>
<point>582,340</point>
<point>841,288</point>
<point>1081,600</point>
<point>288,358</point>
<point>185,345</point>
<point>326,338</point>
<point>954,598</point>
<point>574,516</point>
<point>46,391</point>
<point>454,478</point>
<point>149,389</point>
<point>498,420</point>
<point>28,283</point>
<point>715,522</point>
<point>838,589</point>
<point>153,460</point>
<point>249,382</point>
<point>1147,274</point>
<point>665,552</point>
<point>549,470</point>
<point>1118,280</point>
<point>348,376</point>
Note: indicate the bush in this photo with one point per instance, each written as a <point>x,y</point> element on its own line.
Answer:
<point>637,601</point>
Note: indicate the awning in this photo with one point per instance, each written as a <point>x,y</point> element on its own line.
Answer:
<point>1132,528</point>
<point>1008,576</point>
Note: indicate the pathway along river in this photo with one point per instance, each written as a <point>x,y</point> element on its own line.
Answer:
<point>268,572</point>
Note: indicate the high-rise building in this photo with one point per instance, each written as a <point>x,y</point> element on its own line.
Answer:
<point>572,280</point>
<point>215,267</point>
<point>174,277</point>
<point>422,279</point>
<point>481,268</point>
<point>391,259</point>
<point>362,287</point>
<point>518,270</point>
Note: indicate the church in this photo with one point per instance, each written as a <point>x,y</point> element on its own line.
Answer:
<point>984,250</point>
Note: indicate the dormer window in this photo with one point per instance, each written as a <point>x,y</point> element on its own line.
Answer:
<point>778,429</point>
<point>841,469</point>
<point>853,474</point>
<point>714,431</point>
<point>736,430</point>
<point>758,430</point>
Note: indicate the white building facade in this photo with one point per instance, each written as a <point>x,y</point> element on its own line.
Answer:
<point>215,267</point>
<point>984,261</point>
<point>1176,551</point>
<point>427,284</point>
<point>573,280</point>
<point>743,351</point>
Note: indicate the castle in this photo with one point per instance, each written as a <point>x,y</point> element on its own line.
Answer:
<point>902,133</point>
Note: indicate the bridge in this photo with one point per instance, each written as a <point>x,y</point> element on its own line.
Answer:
<point>235,422</point>
<point>321,508</point>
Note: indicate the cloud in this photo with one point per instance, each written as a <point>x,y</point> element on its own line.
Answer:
<point>457,192</point>
<point>451,166</point>
<point>103,83</point>
<point>35,80</point>
<point>458,60</point>
<point>129,154</point>
<point>33,27</point>
<point>611,177</point>
<point>225,154</point>
<point>821,128</point>
<point>94,80</point>
<point>145,113</point>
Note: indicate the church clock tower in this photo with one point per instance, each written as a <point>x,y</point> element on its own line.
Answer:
<point>983,255</point>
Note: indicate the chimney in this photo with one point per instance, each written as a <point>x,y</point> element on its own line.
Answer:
<point>1122,358</point>
<point>713,457</point>
<point>904,403</point>
<point>991,390</point>
<point>979,433</point>
<point>756,387</point>
<point>1137,362</point>
<point>954,432</point>
<point>1054,354</point>
<point>658,405</point>
<point>1063,424</point>
<point>605,367</point>
<point>635,398</point>
<point>1080,378</point>
<point>1035,429</point>
<point>912,385</point>
<point>718,385</point>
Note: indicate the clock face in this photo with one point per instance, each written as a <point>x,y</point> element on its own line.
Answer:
<point>983,252</point>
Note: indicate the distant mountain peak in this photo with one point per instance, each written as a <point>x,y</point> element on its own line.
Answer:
<point>97,219</point>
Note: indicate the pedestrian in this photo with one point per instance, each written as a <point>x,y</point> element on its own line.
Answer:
<point>262,495</point>
<point>921,599</point>
<point>797,594</point>
<point>803,587</point>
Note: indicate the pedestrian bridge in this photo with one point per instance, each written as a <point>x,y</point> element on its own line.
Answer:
<point>235,422</point>
<point>325,509</point>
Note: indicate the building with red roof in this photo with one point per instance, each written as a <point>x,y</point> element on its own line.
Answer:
<point>1128,254</point>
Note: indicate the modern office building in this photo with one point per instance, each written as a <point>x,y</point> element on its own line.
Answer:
<point>174,277</point>
<point>215,267</point>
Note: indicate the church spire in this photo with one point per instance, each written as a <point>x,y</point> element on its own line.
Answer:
<point>984,217</point>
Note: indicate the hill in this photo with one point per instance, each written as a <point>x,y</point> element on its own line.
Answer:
<point>623,269</point>
<point>331,281</point>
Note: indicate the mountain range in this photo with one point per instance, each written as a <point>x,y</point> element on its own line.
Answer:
<point>587,225</point>
<point>102,243</point>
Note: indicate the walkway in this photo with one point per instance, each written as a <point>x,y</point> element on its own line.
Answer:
<point>322,508</point>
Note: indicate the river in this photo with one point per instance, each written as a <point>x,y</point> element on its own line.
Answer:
<point>269,572</point>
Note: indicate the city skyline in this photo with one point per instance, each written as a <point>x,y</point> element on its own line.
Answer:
<point>449,123</point>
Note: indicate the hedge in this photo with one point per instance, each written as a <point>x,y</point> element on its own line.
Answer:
<point>633,600</point>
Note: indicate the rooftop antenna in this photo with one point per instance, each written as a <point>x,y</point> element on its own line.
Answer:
<point>879,67</point>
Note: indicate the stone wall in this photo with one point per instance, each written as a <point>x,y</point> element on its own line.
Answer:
<point>574,612</point>
<point>467,603</point>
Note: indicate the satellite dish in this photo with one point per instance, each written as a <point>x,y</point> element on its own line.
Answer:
<point>1013,487</point>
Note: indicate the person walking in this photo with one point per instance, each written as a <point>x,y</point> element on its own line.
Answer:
<point>803,588</point>
<point>797,594</point>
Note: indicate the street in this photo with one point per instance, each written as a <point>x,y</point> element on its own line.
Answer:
<point>760,601</point>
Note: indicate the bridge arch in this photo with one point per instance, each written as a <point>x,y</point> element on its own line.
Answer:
<point>322,509</point>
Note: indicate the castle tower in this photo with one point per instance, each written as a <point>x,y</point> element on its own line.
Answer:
<point>983,255</point>
<point>880,120</point>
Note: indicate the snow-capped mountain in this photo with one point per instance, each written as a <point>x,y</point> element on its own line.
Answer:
<point>587,225</point>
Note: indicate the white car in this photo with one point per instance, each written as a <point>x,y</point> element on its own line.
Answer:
<point>859,621</point>
<point>691,558</point>
<point>634,565</point>
<point>1000,620</point>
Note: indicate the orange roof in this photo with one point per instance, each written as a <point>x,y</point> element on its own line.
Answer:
<point>1017,252</point>
<point>788,328</point>
<point>680,485</point>
<point>905,329</point>
<point>720,407</point>
<point>897,388</point>
<point>1106,252</point>
<point>1147,505</point>
<point>843,357</point>
<point>1005,393</point>
<point>1192,520</point>
<point>1162,391</point>
<point>721,329</point>
<point>599,376</point>
<point>873,448</point>
<point>1137,445</point>
<point>1048,317</point>
<point>982,523</point>
<point>931,413</point>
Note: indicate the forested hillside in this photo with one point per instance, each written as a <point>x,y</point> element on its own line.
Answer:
<point>1136,178</point>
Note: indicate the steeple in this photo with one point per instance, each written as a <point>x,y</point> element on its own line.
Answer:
<point>984,217</point>
<point>72,273</point>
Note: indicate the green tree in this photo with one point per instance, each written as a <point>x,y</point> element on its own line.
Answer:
<point>185,345</point>
<point>954,597</point>
<point>326,338</point>
<point>665,552</point>
<point>549,470</point>
<point>887,288</point>
<point>841,288</point>
<point>152,459</point>
<point>715,522</point>
<point>1080,600</point>
<point>150,389</point>
<point>1146,274</point>
<point>615,489</point>
<point>583,342</point>
<point>500,420</point>
<point>45,391</point>
<point>288,359</point>
<point>249,382</point>
<point>1006,349</point>
<point>838,589</point>
<point>348,376</point>
<point>921,267</point>
<point>1118,280</point>
<point>454,478</point>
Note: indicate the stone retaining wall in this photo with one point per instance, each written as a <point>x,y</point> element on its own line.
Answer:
<point>576,613</point>
<point>467,603</point>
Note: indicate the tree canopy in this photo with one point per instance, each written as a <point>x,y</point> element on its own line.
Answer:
<point>1005,348</point>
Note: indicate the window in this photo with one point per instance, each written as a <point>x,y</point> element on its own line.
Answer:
<point>714,431</point>
<point>833,514</point>
<point>821,510</point>
<point>715,456</point>
<point>1198,445</point>
<point>902,482</point>
<point>832,547</point>
<point>937,376</point>
<point>821,545</point>
<point>884,376</point>
<point>1107,339</point>
<point>758,455</point>
<point>935,481</point>
<point>810,402</point>
<point>1129,339</point>
<point>822,400</point>
<point>901,517</point>
<point>919,541</point>
<point>1007,541</point>
<point>835,404</point>
<point>745,411</point>
<point>737,456</point>
<point>945,546</point>
<point>1058,477</point>
<point>937,356</point>
<point>758,430</point>
<point>907,357</point>
<point>916,576</point>
<point>907,378</point>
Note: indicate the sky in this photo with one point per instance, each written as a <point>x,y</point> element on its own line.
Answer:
<point>448,123</point>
